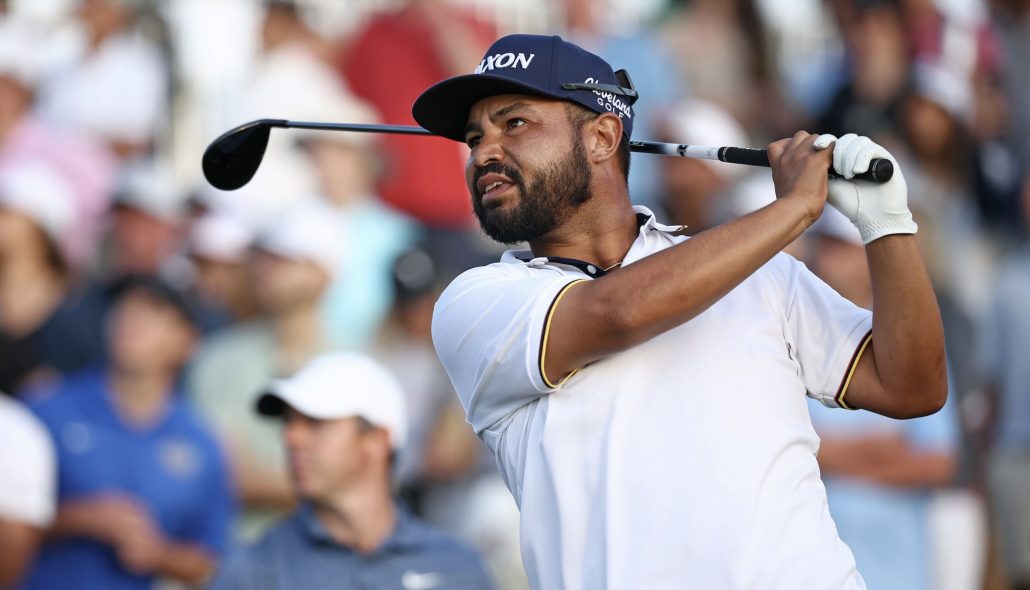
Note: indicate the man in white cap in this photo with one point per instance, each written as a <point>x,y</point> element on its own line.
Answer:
<point>344,419</point>
<point>292,263</point>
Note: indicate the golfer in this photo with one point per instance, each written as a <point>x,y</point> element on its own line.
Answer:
<point>644,393</point>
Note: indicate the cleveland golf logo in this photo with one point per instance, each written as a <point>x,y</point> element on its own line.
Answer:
<point>504,60</point>
<point>611,103</point>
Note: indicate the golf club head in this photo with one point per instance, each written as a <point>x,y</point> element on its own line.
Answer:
<point>233,159</point>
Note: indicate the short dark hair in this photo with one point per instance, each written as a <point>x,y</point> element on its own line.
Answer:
<point>579,116</point>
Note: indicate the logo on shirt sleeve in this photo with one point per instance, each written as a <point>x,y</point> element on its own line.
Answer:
<point>412,580</point>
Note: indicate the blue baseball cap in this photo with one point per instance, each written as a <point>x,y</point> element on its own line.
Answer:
<point>539,65</point>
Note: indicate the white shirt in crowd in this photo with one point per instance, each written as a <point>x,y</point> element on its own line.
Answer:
<point>688,461</point>
<point>29,471</point>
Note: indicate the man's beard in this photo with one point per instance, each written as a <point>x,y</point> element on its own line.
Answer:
<point>545,204</point>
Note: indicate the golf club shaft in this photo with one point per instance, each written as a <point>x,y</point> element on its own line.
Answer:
<point>879,170</point>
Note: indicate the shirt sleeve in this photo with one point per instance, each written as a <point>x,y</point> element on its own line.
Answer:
<point>826,332</point>
<point>28,483</point>
<point>489,331</point>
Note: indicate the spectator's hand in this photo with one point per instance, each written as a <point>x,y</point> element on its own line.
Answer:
<point>143,553</point>
<point>876,209</point>
<point>800,171</point>
<point>126,525</point>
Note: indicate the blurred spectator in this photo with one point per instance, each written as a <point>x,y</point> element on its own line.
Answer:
<point>725,58</point>
<point>143,489</point>
<point>292,79</point>
<point>405,346</point>
<point>114,82</point>
<point>1012,21</point>
<point>146,223</point>
<point>700,193</point>
<point>293,263</point>
<point>27,488</point>
<point>960,254</point>
<point>348,166</point>
<point>218,247</point>
<point>879,472</point>
<point>46,327</point>
<point>389,62</point>
<point>443,468</point>
<point>344,421</point>
<point>1005,340</point>
<point>877,61</point>
<point>88,165</point>
<point>652,70</point>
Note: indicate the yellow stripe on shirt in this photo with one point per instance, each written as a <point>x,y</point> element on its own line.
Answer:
<point>546,333</point>
<point>839,398</point>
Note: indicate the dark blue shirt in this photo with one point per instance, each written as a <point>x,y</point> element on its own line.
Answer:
<point>299,553</point>
<point>174,467</point>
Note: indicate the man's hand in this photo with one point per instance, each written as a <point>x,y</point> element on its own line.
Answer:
<point>799,171</point>
<point>119,521</point>
<point>876,209</point>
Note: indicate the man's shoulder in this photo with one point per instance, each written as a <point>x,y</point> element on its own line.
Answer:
<point>64,394</point>
<point>254,565</point>
<point>424,538</point>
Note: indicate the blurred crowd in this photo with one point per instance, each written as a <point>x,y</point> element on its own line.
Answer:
<point>143,312</point>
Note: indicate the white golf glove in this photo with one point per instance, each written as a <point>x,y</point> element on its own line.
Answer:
<point>876,209</point>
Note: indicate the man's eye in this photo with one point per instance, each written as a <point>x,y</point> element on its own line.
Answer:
<point>516,123</point>
<point>472,142</point>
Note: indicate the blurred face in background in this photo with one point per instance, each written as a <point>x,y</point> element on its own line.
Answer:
<point>329,457</point>
<point>20,236</point>
<point>15,100</point>
<point>690,187</point>
<point>140,241</point>
<point>148,334</point>
<point>345,170</point>
<point>18,231</point>
<point>282,285</point>
<point>104,17</point>
<point>930,129</point>
<point>224,283</point>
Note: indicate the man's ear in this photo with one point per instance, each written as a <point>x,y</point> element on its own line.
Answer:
<point>605,136</point>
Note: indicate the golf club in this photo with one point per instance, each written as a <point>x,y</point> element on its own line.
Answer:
<point>233,158</point>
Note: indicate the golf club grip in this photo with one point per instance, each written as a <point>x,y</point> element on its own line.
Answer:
<point>880,170</point>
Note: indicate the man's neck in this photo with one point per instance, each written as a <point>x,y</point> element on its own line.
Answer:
<point>600,235</point>
<point>140,396</point>
<point>361,521</point>
<point>298,336</point>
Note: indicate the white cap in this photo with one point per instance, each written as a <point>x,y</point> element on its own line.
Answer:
<point>151,188</point>
<point>945,86</point>
<point>311,233</point>
<point>699,122</point>
<point>21,51</point>
<point>341,385</point>
<point>41,192</point>
<point>218,236</point>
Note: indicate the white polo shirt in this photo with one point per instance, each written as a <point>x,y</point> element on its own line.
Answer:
<point>687,461</point>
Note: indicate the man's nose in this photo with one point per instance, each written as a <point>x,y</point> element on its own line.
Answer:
<point>488,150</point>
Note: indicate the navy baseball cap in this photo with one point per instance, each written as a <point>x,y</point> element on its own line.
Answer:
<point>539,65</point>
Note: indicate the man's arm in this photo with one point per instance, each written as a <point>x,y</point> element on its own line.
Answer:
<point>887,459</point>
<point>19,541</point>
<point>902,374</point>
<point>618,311</point>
